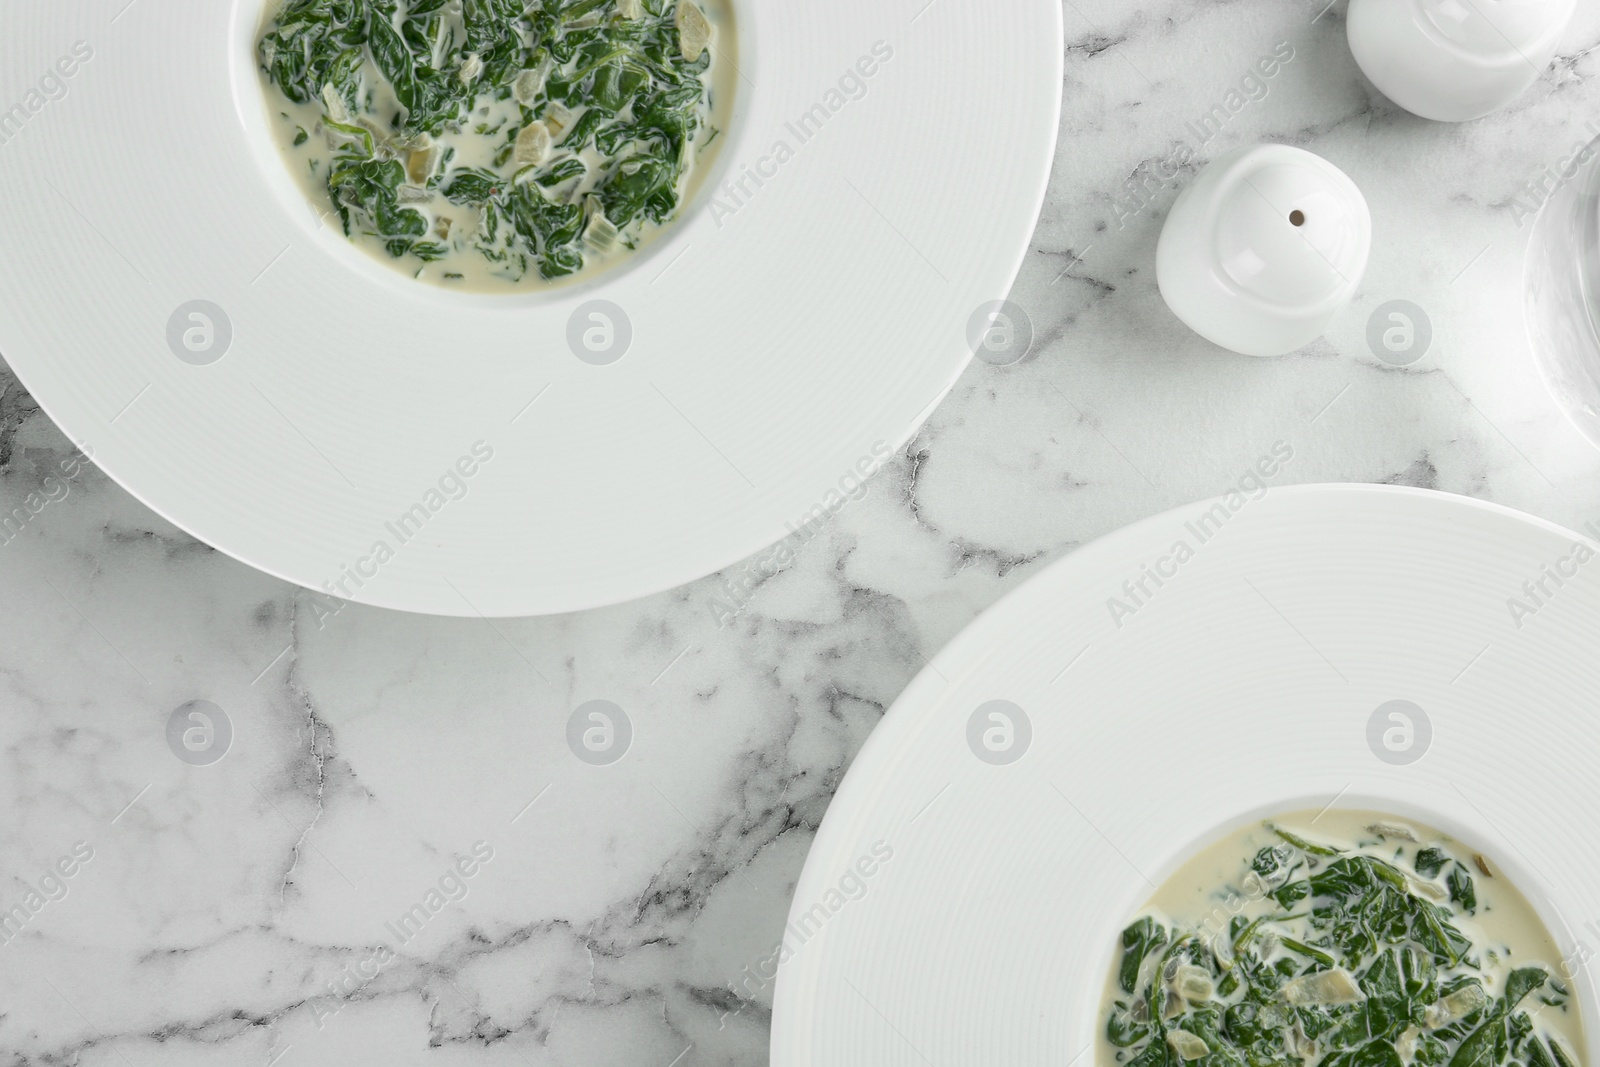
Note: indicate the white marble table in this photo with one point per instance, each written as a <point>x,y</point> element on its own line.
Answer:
<point>255,910</point>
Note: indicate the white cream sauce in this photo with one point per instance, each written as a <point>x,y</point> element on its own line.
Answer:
<point>464,268</point>
<point>1211,887</point>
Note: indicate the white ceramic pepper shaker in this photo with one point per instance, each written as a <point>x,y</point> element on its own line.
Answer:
<point>1263,249</point>
<point>1455,60</point>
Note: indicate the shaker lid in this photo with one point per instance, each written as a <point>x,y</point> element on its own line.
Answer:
<point>1292,229</point>
<point>1493,29</point>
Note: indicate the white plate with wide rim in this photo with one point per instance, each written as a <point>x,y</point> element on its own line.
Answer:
<point>1255,668</point>
<point>779,348</point>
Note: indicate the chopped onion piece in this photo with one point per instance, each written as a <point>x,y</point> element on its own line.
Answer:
<point>1392,829</point>
<point>694,32</point>
<point>1424,888</point>
<point>334,103</point>
<point>526,87</point>
<point>1458,1005</point>
<point>1325,987</point>
<point>533,144</point>
<point>602,233</point>
<point>421,162</point>
<point>556,117</point>
<point>1186,1045</point>
<point>1194,984</point>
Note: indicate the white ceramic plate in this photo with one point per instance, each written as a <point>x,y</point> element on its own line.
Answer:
<point>776,350</point>
<point>1257,669</point>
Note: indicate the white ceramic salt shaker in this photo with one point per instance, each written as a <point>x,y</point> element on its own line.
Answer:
<point>1455,60</point>
<point>1263,249</point>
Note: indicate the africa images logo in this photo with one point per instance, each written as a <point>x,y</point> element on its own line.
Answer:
<point>1538,591</point>
<point>52,886</point>
<point>737,191</point>
<point>1251,485</point>
<point>451,887</point>
<point>53,85</point>
<point>453,485</point>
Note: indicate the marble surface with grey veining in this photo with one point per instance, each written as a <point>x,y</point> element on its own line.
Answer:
<point>400,860</point>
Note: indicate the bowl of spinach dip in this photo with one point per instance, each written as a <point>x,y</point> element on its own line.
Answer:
<point>1339,939</point>
<point>498,144</point>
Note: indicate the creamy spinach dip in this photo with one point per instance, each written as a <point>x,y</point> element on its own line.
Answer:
<point>483,142</point>
<point>1339,939</point>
